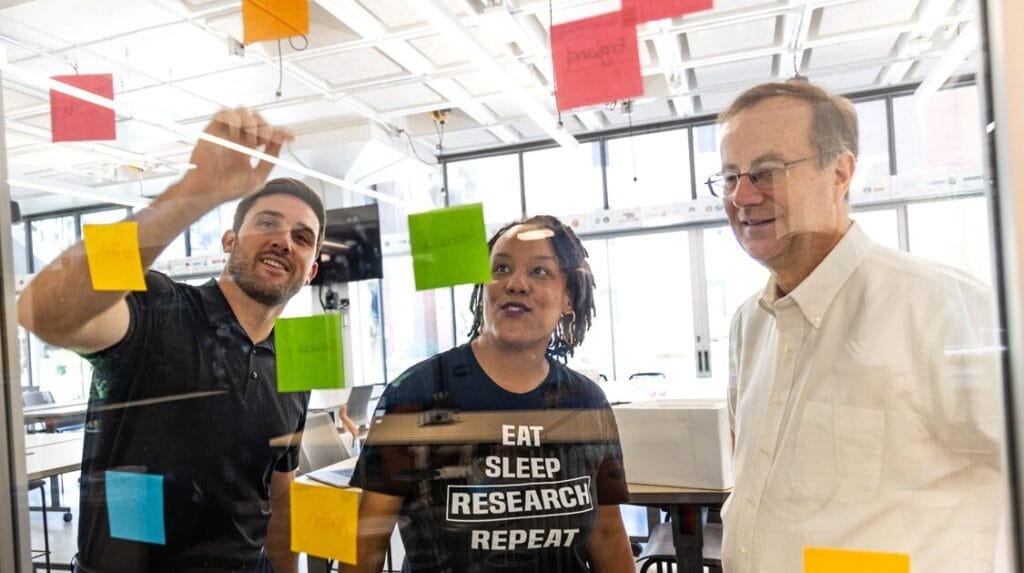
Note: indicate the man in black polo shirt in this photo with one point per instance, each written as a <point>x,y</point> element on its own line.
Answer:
<point>184,384</point>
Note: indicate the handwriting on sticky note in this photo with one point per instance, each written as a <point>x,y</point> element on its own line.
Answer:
<point>112,251</point>
<point>596,60</point>
<point>309,353</point>
<point>602,52</point>
<point>135,506</point>
<point>325,521</point>
<point>449,247</point>
<point>74,119</point>
<point>829,560</point>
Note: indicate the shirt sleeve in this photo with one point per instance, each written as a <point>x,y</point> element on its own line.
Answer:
<point>289,462</point>
<point>611,474</point>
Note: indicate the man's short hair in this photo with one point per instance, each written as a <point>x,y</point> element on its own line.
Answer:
<point>284,186</point>
<point>834,119</point>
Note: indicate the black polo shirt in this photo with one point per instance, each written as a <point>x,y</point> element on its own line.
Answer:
<point>186,395</point>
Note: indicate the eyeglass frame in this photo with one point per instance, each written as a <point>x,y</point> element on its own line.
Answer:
<point>751,175</point>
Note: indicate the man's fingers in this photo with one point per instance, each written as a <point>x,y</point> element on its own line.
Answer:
<point>249,136</point>
<point>277,141</point>
<point>264,131</point>
<point>225,123</point>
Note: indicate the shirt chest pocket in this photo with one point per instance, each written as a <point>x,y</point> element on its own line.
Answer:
<point>838,452</point>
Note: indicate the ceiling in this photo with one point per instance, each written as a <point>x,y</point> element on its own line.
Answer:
<point>359,94</point>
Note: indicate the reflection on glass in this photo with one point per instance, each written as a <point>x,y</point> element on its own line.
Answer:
<point>493,181</point>
<point>560,181</point>
<point>942,133</point>
<point>732,277</point>
<point>103,217</point>
<point>596,354</point>
<point>954,232</point>
<point>366,326</point>
<point>49,238</point>
<point>881,225</point>
<point>873,159</point>
<point>648,169</point>
<point>205,234</point>
<point>418,186</point>
<point>19,249</point>
<point>59,371</point>
<point>706,159</point>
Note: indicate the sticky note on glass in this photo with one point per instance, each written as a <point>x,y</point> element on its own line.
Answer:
<point>73,119</point>
<point>449,247</point>
<point>135,506</point>
<point>273,19</point>
<point>825,560</point>
<point>647,10</point>
<point>596,60</point>
<point>309,353</point>
<point>113,254</point>
<point>325,521</point>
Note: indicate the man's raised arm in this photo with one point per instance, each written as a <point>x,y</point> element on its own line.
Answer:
<point>60,306</point>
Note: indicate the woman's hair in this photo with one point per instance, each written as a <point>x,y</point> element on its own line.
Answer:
<point>579,282</point>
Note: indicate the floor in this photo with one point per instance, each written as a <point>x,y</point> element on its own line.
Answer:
<point>63,535</point>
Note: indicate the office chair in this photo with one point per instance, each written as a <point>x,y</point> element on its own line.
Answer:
<point>40,484</point>
<point>660,551</point>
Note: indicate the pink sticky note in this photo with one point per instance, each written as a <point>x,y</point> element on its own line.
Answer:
<point>596,60</point>
<point>647,10</point>
<point>72,119</point>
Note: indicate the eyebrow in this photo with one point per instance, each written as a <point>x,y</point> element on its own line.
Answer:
<point>279,215</point>
<point>770,156</point>
<point>537,257</point>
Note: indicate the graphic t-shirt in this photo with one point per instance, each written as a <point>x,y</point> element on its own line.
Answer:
<point>508,482</point>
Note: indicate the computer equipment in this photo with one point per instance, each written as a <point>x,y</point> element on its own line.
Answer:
<point>358,405</point>
<point>351,249</point>
<point>321,445</point>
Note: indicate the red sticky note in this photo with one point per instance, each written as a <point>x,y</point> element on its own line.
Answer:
<point>647,10</point>
<point>596,60</point>
<point>73,119</point>
<point>273,19</point>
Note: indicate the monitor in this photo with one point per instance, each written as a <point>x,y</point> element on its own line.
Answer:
<point>351,249</point>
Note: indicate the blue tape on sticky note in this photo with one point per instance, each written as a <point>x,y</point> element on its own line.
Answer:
<point>135,506</point>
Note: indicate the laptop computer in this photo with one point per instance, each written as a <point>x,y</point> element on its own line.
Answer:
<point>358,405</point>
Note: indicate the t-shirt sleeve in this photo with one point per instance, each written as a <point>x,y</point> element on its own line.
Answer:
<point>289,462</point>
<point>611,474</point>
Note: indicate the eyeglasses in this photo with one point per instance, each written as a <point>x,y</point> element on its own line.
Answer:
<point>763,176</point>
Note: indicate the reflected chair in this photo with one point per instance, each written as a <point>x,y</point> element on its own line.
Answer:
<point>660,551</point>
<point>40,484</point>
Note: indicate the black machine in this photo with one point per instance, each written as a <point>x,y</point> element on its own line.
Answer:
<point>351,248</point>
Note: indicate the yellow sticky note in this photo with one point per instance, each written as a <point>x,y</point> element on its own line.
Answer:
<point>113,254</point>
<point>325,521</point>
<point>273,19</point>
<point>825,560</point>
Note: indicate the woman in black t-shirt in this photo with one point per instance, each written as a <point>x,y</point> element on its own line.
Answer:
<point>494,456</point>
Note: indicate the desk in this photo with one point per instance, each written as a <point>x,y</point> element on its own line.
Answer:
<point>688,510</point>
<point>52,413</point>
<point>49,455</point>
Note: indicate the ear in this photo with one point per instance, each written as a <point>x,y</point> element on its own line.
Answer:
<point>843,175</point>
<point>227,240</point>
<point>312,272</point>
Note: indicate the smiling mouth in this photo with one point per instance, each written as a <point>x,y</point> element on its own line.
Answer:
<point>273,263</point>
<point>515,307</point>
<point>758,222</point>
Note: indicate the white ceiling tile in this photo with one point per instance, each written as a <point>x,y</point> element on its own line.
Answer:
<point>735,38</point>
<point>249,86</point>
<point>170,52</point>
<point>754,71</point>
<point>864,14</point>
<point>125,77</point>
<point>847,81</point>
<point>567,12</point>
<point>477,83</point>
<point>170,102</point>
<point>320,111</point>
<point>505,109</point>
<point>714,102</point>
<point>394,14</point>
<point>352,66</point>
<point>439,50</point>
<point>389,99</point>
<point>16,100</point>
<point>824,57</point>
<point>77,23</point>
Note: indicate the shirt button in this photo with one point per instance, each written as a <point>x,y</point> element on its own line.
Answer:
<point>765,450</point>
<point>788,349</point>
<point>776,399</point>
<point>254,375</point>
<point>751,501</point>
<point>743,549</point>
<point>815,321</point>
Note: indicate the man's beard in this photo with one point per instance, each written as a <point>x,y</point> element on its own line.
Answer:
<point>242,270</point>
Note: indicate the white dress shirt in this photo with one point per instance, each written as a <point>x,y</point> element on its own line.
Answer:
<point>866,408</point>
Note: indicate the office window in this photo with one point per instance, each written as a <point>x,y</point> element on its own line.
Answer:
<point>19,248</point>
<point>596,354</point>
<point>560,181</point>
<point>943,133</point>
<point>955,232</point>
<point>650,305</point>
<point>205,234</point>
<point>103,217</point>
<point>58,370</point>
<point>648,169</point>
<point>493,181</point>
<point>418,186</point>
<point>873,159</point>
<point>463,316</point>
<point>367,343</point>
<point>881,225</point>
<point>50,237</point>
<point>706,158</point>
<point>732,277</point>
<point>417,324</point>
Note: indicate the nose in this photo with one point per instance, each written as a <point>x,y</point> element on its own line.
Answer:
<point>746,193</point>
<point>282,242</point>
<point>516,283</point>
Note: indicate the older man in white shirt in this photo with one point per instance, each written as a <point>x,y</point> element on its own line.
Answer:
<point>864,392</point>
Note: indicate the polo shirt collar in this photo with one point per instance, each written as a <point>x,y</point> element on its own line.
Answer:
<point>219,313</point>
<point>815,294</point>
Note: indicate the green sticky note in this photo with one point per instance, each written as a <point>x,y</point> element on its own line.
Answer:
<point>309,353</point>
<point>449,247</point>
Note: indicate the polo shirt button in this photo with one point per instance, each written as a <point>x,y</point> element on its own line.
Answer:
<point>765,450</point>
<point>788,349</point>
<point>743,550</point>
<point>254,375</point>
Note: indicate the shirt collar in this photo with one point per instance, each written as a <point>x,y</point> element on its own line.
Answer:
<point>220,315</point>
<point>815,294</point>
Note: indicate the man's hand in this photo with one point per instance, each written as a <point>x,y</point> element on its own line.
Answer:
<point>226,174</point>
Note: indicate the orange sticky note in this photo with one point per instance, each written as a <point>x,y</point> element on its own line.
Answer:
<point>325,521</point>
<point>826,560</point>
<point>273,19</point>
<point>113,255</point>
<point>73,119</point>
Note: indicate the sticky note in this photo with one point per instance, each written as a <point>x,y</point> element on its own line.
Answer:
<point>825,560</point>
<point>309,353</point>
<point>112,251</point>
<point>647,10</point>
<point>73,119</point>
<point>449,247</point>
<point>273,19</point>
<point>596,60</point>
<point>325,521</point>
<point>135,506</point>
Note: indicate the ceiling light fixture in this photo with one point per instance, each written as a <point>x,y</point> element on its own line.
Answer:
<point>79,193</point>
